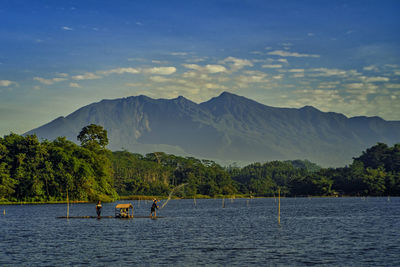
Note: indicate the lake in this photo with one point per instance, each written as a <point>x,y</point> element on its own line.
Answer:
<point>313,231</point>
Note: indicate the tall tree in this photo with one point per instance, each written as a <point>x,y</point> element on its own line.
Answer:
<point>92,136</point>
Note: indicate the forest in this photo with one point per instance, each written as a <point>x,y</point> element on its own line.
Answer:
<point>46,171</point>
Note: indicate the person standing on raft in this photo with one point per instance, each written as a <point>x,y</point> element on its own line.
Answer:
<point>98,209</point>
<point>153,208</point>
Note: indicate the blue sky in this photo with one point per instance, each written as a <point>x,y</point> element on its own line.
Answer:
<point>57,56</point>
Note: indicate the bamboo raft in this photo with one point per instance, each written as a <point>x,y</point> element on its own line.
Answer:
<point>109,217</point>
<point>122,211</point>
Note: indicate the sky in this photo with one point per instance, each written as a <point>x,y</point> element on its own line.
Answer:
<point>336,55</point>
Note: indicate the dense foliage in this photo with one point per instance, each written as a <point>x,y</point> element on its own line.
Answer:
<point>49,171</point>
<point>157,173</point>
<point>375,173</point>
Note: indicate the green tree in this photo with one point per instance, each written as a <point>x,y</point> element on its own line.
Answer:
<point>374,179</point>
<point>92,136</point>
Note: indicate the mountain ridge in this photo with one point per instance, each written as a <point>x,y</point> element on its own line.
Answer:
<point>227,128</point>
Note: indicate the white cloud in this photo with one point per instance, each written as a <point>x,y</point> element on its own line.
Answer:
<point>325,72</point>
<point>361,90</point>
<point>86,76</point>
<point>296,70</point>
<point>328,85</point>
<point>66,28</point>
<point>243,81</point>
<point>278,77</point>
<point>196,60</point>
<point>237,63</point>
<point>159,79</point>
<point>44,81</point>
<point>391,66</point>
<point>371,68</point>
<point>159,62</point>
<point>129,70</point>
<point>48,81</point>
<point>213,86</point>
<point>355,85</point>
<point>215,68</point>
<point>289,54</point>
<point>393,85</point>
<point>193,66</point>
<point>283,60</point>
<point>74,85</point>
<point>298,75</point>
<point>6,83</point>
<point>207,68</point>
<point>272,66</point>
<point>160,70</point>
<point>376,79</point>
<point>178,53</point>
<point>120,71</point>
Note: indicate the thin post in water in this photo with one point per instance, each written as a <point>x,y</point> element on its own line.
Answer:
<point>67,205</point>
<point>279,205</point>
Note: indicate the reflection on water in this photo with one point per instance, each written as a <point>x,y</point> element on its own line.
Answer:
<point>316,231</point>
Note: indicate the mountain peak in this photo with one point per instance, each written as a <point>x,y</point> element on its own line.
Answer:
<point>181,98</point>
<point>309,108</point>
<point>227,94</point>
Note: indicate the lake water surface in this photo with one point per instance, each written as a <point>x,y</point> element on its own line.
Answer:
<point>315,231</point>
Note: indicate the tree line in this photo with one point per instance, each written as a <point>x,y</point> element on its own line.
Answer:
<point>31,170</point>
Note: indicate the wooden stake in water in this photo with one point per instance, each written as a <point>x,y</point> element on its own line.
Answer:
<point>194,201</point>
<point>223,202</point>
<point>279,205</point>
<point>67,205</point>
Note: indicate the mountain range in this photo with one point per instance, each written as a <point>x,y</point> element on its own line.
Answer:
<point>228,128</point>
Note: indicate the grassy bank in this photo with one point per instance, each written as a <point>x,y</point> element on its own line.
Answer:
<point>40,202</point>
<point>198,196</point>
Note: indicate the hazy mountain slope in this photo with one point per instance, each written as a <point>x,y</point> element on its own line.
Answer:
<point>227,128</point>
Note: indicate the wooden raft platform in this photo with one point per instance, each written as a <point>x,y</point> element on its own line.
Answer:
<point>109,217</point>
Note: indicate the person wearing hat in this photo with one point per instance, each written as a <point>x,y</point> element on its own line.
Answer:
<point>153,208</point>
<point>98,209</point>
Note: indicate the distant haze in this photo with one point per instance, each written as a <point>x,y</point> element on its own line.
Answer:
<point>228,128</point>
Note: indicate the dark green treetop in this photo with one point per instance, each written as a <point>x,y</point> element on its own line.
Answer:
<point>92,136</point>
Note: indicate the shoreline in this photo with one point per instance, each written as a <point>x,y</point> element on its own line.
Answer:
<point>139,197</point>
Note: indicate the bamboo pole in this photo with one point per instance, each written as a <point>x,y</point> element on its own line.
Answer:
<point>67,205</point>
<point>279,205</point>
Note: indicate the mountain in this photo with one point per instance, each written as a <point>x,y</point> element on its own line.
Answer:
<point>227,128</point>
